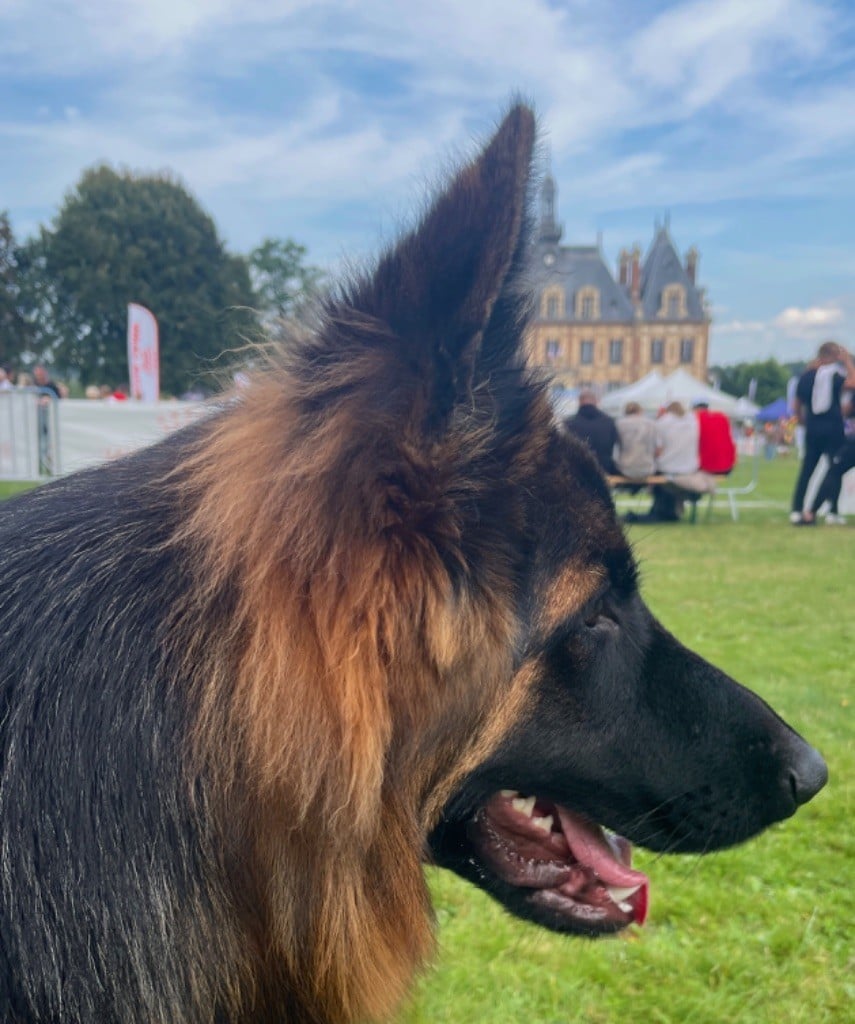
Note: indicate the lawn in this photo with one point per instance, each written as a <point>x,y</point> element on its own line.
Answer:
<point>761,934</point>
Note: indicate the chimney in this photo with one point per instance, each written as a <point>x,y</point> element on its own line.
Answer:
<point>635,275</point>
<point>692,264</point>
<point>623,268</point>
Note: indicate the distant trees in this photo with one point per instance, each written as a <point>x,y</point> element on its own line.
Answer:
<point>15,330</point>
<point>282,279</point>
<point>770,375</point>
<point>120,237</point>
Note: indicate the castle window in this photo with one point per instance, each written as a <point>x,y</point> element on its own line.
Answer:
<point>586,353</point>
<point>552,304</point>
<point>657,350</point>
<point>673,302</point>
<point>552,350</point>
<point>616,351</point>
<point>588,303</point>
<point>687,350</point>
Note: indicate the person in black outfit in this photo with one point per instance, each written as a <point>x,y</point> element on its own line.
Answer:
<point>596,428</point>
<point>818,407</point>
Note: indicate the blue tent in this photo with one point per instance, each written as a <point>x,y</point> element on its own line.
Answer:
<point>777,410</point>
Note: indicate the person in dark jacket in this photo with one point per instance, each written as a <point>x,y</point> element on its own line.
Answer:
<point>818,407</point>
<point>596,428</point>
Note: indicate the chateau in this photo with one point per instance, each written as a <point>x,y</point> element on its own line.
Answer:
<point>591,330</point>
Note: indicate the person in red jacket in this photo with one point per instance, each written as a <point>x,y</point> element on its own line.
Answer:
<point>716,447</point>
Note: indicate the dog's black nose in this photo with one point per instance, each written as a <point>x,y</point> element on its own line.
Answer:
<point>808,772</point>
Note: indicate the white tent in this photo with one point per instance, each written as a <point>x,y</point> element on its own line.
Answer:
<point>654,391</point>
<point>646,391</point>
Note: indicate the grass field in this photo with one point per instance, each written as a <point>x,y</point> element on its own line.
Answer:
<point>762,934</point>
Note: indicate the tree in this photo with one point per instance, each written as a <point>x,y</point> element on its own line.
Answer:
<point>281,278</point>
<point>121,238</point>
<point>15,331</point>
<point>770,375</point>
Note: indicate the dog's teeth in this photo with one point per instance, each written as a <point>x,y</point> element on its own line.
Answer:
<point>625,907</point>
<point>619,893</point>
<point>525,805</point>
<point>545,823</point>
<point>508,792</point>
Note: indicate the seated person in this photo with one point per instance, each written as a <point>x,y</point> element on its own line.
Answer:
<point>596,428</point>
<point>716,447</point>
<point>677,435</point>
<point>636,449</point>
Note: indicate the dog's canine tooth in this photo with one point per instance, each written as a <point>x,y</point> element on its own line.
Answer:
<point>620,893</point>
<point>507,793</point>
<point>525,805</point>
<point>545,822</point>
<point>625,907</point>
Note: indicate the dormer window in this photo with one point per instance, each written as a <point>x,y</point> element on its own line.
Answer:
<point>552,304</point>
<point>673,302</point>
<point>588,304</point>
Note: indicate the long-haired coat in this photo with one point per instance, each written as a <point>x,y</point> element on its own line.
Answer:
<point>372,612</point>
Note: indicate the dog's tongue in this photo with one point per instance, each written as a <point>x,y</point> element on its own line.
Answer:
<point>590,847</point>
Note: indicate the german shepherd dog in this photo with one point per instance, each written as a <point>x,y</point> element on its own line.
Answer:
<point>374,611</point>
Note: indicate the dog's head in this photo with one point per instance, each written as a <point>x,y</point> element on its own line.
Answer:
<point>556,704</point>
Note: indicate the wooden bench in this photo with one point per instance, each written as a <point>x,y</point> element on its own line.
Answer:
<point>618,482</point>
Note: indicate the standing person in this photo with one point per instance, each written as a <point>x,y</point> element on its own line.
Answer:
<point>829,490</point>
<point>42,381</point>
<point>636,443</point>
<point>818,408</point>
<point>596,428</point>
<point>716,447</point>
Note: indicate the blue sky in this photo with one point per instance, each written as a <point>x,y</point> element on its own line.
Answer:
<point>329,121</point>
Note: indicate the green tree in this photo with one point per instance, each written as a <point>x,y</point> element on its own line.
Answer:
<point>121,238</point>
<point>15,330</point>
<point>283,281</point>
<point>770,375</point>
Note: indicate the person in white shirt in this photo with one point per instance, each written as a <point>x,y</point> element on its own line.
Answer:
<point>677,441</point>
<point>677,455</point>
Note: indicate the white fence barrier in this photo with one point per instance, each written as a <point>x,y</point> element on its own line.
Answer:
<point>41,436</point>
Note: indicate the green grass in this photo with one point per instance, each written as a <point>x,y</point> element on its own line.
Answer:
<point>10,487</point>
<point>762,934</point>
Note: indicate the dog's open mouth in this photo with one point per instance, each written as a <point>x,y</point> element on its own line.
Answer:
<point>578,875</point>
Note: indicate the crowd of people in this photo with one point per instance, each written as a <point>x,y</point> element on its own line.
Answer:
<point>41,379</point>
<point>691,448</point>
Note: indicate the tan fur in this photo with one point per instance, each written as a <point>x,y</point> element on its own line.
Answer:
<point>346,661</point>
<point>571,590</point>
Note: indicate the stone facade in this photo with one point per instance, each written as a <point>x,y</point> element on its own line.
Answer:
<point>594,330</point>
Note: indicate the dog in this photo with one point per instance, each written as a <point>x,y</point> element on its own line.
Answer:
<point>374,611</point>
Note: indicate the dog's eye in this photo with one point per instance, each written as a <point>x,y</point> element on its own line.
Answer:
<point>600,617</point>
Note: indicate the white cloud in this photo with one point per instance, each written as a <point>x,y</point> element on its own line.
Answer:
<point>702,48</point>
<point>793,320</point>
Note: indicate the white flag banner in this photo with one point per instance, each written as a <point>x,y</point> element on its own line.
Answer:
<point>143,354</point>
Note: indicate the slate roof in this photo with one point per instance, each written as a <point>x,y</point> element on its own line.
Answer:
<point>662,267</point>
<point>574,267</point>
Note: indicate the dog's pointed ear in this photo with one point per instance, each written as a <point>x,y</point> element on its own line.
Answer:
<point>432,296</point>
